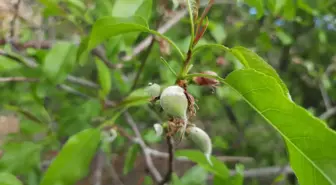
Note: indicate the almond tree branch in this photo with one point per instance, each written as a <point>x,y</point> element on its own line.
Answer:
<point>325,96</point>
<point>33,64</point>
<point>329,113</point>
<point>266,171</point>
<point>16,12</point>
<point>147,42</point>
<point>170,143</point>
<point>98,170</point>
<point>98,51</point>
<point>18,79</point>
<point>148,159</point>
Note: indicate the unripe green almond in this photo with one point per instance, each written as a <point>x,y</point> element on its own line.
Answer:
<point>153,90</point>
<point>174,102</point>
<point>202,140</point>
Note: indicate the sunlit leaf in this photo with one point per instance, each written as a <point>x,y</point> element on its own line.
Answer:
<point>8,179</point>
<point>59,61</point>
<point>104,78</point>
<point>72,163</point>
<point>251,60</point>
<point>311,144</point>
<point>218,167</point>
<point>108,27</point>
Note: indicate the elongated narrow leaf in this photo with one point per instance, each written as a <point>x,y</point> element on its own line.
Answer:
<point>73,161</point>
<point>311,144</point>
<point>251,60</point>
<point>104,78</point>
<point>130,158</point>
<point>111,26</point>
<point>8,179</point>
<point>218,167</point>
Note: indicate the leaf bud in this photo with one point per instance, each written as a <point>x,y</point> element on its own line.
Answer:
<point>203,81</point>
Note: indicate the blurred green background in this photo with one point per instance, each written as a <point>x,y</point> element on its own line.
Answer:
<point>48,93</point>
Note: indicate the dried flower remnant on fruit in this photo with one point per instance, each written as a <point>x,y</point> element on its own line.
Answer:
<point>201,139</point>
<point>203,81</point>
<point>191,105</point>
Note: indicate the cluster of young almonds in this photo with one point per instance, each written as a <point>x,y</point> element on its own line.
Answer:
<point>174,101</point>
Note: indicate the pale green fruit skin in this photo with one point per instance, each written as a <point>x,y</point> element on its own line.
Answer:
<point>174,102</point>
<point>202,140</point>
<point>153,90</point>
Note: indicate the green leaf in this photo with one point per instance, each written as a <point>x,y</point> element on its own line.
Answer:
<point>251,60</point>
<point>289,10</point>
<point>73,161</point>
<point>258,5</point>
<point>83,52</point>
<point>198,157</point>
<point>218,32</point>
<point>51,8</point>
<point>8,179</point>
<point>145,9</point>
<point>236,179</point>
<point>20,158</point>
<point>108,27</point>
<point>7,64</point>
<point>284,37</point>
<point>59,61</point>
<point>195,176</point>
<point>311,144</point>
<point>275,6</point>
<point>104,77</point>
<point>79,4</point>
<point>130,158</point>
<point>126,8</point>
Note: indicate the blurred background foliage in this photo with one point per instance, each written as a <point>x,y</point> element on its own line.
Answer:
<point>48,93</point>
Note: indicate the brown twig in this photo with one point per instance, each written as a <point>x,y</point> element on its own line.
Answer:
<point>266,171</point>
<point>33,64</point>
<point>18,79</point>
<point>113,173</point>
<point>148,159</point>
<point>205,12</point>
<point>45,44</point>
<point>98,170</point>
<point>325,96</point>
<point>164,28</point>
<point>170,143</point>
<point>326,115</point>
<point>16,12</point>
